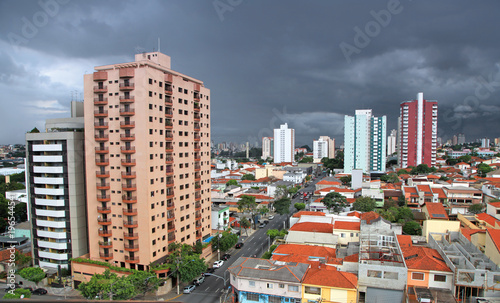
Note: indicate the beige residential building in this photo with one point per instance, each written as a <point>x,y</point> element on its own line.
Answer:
<point>147,132</point>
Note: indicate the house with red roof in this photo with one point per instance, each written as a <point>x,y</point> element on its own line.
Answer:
<point>435,211</point>
<point>426,268</point>
<point>327,284</point>
<point>487,221</point>
<point>493,209</point>
<point>492,245</point>
<point>312,233</point>
<point>347,231</point>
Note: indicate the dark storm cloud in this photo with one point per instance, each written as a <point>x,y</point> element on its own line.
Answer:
<point>266,62</point>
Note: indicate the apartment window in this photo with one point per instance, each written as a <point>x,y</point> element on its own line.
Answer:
<point>417,276</point>
<point>154,253</point>
<point>252,297</point>
<point>153,230</point>
<point>151,95</point>
<point>282,286</point>
<point>153,242</point>
<point>439,278</point>
<point>180,90</point>
<point>352,235</point>
<point>186,112</point>
<point>270,285</point>
<point>152,218</point>
<point>312,290</point>
<point>180,111</point>
<point>294,288</point>
<point>251,283</point>
<point>150,81</point>
<point>342,235</point>
<point>274,299</point>
<point>374,274</point>
<point>185,91</point>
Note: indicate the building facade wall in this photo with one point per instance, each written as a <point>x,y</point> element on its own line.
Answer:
<point>147,160</point>
<point>284,144</point>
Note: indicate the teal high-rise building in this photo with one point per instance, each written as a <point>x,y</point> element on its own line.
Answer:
<point>364,142</point>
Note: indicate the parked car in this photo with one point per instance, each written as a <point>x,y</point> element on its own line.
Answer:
<point>199,280</point>
<point>238,245</point>
<point>271,217</point>
<point>218,264</point>
<point>225,257</point>
<point>209,271</point>
<point>39,291</point>
<point>189,289</point>
<point>261,225</point>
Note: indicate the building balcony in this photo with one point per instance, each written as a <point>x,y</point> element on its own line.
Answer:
<point>168,101</point>
<point>102,221</point>
<point>171,228</point>
<point>127,149</point>
<point>130,236</point>
<point>100,101</point>
<point>169,171</point>
<point>168,91</point>
<point>197,127</point>
<point>52,224</point>
<point>106,256</point>
<point>105,244</point>
<point>129,175</point>
<point>197,106</point>
<point>169,124</point>
<point>170,205</point>
<point>101,185</point>
<point>127,124</point>
<point>197,187</point>
<point>101,138</point>
<point>127,72</point>
<point>102,174</point>
<point>105,233</point>
<point>102,162</point>
<point>197,196</point>
<point>50,202</point>
<point>129,186</point>
<point>197,158</point>
<point>100,89</point>
<point>130,211</point>
<point>130,259</point>
<point>171,237</point>
<point>169,160</point>
<point>169,182</point>
<point>129,199</point>
<point>198,234</point>
<point>130,224</point>
<point>168,78</point>
<point>197,167</point>
<point>169,137</point>
<point>197,147</point>
<point>170,194</point>
<point>127,111</point>
<point>103,150</point>
<point>196,117</point>
<point>197,206</point>
<point>198,225</point>
<point>51,234</point>
<point>169,113</point>
<point>53,245</point>
<point>127,137</point>
<point>103,210</point>
<point>197,137</point>
<point>127,99</point>
<point>128,162</point>
<point>126,86</point>
<point>53,256</point>
<point>103,198</point>
<point>134,247</point>
<point>100,76</point>
<point>169,147</point>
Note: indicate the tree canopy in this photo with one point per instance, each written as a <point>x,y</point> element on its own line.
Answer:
<point>390,178</point>
<point>185,262</point>
<point>335,202</point>
<point>364,204</point>
<point>483,169</point>
<point>248,177</point>
<point>33,274</point>
<point>232,182</point>
<point>299,206</point>
<point>282,205</point>
<point>476,208</point>
<point>412,228</point>
<point>224,241</point>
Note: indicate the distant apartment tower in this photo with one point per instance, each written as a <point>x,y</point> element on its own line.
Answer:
<point>418,132</point>
<point>485,142</point>
<point>267,147</point>
<point>56,191</point>
<point>284,143</point>
<point>323,147</point>
<point>147,160</point>
<point>392,142</point>
<point>461,139</point>
<point>364,142</point>
<point>454,140</point>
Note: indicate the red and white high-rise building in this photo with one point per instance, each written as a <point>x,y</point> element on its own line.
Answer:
<point>417,132</point>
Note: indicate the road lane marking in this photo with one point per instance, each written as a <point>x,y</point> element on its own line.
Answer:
<point>217,290</point>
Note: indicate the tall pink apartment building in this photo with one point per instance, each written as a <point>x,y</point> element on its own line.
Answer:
<point>147,131</point>
<point>418,132</point>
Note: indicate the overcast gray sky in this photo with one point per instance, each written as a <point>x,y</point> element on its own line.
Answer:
<point>307,63</point>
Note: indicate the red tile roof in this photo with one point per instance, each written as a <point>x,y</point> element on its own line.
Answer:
<point>487,218</point>
<point>352,258</point>
<point>495,204</point>
<point>430,177</point>
<point>404,241</point>
<point>426,189</point>
<point>468,232</point>
<point>495,236</point>
<point>329,276</point>
<point>326,182</point>
<point>436,211</point>
<point>423,258</point>
<point>440,192</point>
<point>257,196</point>
<point>308,213</point>
<point>313,227</point>
<point>354,214</point>
<point>5,254</point>
<point>369,216</point>
<point>345,225</point>
<point>305,250</point>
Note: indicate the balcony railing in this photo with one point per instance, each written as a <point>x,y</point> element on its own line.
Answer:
<point>127,111</point>
<point>101,138</point>
<point>130,224</point>
<point>104,233</point>
<point>130,259</point>
<point>103,210</point>
<point>103,198</point>
<point>127,99</point>
<point>105,256</point>
<point>105,244</point>
<point>99,150</point>
<point>133,247</point>
<point>130,236</point>
<point>127,137</point>
<point>129,175</point>
<point>102,174</point>
<point>130,211</point>
<point>128,149</point>
<point>103,221</point>
<point>128,162</point>
<point>129,199</point>
<point>100,101</point>
<point>127,124</point>
<point>100,89</point>
<point>127,86</point>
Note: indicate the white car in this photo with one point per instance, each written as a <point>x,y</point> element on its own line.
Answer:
<point>271,217</point>
<point>218,264</point>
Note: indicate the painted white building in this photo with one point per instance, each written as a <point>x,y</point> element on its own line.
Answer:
<point>392,142</point>
<point>323,147</point>
<point>267,147</point>
<point>284,143</point>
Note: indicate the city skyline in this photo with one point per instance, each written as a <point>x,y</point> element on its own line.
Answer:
<point>307,66</point>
